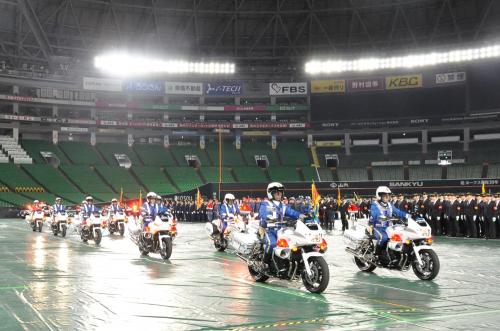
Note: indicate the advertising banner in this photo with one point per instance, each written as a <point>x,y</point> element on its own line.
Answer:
<point>223,88</point>
<point>403,82</point>
<point>367,84</point>
<point>183,88</point>
<point>328,86</point>
<point>288,88</point>
<point>450,78</point>
<point>329,143</point>
<point>102,84</point>
<point>73,129</point>
<point>143,86</point>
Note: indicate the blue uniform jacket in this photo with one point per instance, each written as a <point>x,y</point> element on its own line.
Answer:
<point>225,210</point>
<point>377,211</point>
<point>150,210</point>
<point>88,209</point>
<point>58,208</point>
<point>279,211</point>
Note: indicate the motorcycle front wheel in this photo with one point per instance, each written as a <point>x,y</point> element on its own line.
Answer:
<point>320,277</point>
<point>364,266</point>
<point>40,227</point>
<point>221,244</point>
<point>430,268</point>
<point>63,231</point>
<point>122,229</point>
<point>98,236</point>
<point>166,250</point>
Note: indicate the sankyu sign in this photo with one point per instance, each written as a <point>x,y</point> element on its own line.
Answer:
<point>223,88</point>
<point>183,88</point>
<point>102,84</point>
<point>403,82</point>
<point>287,88</point>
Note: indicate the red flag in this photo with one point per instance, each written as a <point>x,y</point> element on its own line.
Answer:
<point>199,199</point>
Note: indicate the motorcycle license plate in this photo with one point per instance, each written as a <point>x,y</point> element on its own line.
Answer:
<point>426,233</point>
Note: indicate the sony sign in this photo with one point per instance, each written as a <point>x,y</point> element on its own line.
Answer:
<point>288,88</point>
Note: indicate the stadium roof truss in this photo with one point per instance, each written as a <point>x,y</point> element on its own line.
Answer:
<point>253,33</point>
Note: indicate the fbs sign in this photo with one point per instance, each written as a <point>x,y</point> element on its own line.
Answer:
<point>403,82</point>
<point>288,88</point>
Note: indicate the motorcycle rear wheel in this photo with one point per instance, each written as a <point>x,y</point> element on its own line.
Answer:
<point>364,266</point>
<point>431,265</point>
<point>257,276</point>
<point>320,278</point>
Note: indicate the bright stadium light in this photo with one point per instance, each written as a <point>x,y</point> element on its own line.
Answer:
<point>125,64</point>
<point>408,61</point>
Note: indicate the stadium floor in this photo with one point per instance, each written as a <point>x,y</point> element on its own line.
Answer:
<point>49,283</point>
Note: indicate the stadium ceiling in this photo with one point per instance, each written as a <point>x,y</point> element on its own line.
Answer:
<point>271,35</point>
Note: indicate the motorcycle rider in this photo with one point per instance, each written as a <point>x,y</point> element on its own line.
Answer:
<point>273,210</point>
<point>89,207</point>
<point>380,210</point>
<point>149,209</point>
<point>228,209</point>
<point>114,207</point>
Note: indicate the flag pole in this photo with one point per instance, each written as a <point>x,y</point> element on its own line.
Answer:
<point>220,161</point>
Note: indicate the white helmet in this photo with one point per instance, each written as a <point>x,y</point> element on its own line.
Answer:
<point>382,190</point>
<point>151,195</point>
<point>89,198</point>
<point>58,199</point>
<point>36,201</point>
<point>274,187</point>
<point>114,200</point>
<point>229,196</point>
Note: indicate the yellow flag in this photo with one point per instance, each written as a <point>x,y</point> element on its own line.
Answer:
<point>483,189</point>
<point>199,199</point>
<point>140,198</point>
<point>121,196</point>
<point>338,196</point>
<point>315,195</point>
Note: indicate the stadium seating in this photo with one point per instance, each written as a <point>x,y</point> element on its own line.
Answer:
<point>284,174</point>
<point>352,174</point>
<point>322,151</point>
<point>230,155</point>
<point>34,147</point>
<point>13,199</point>
<point>154,179</point>
<point>81,153</point>
<point>424,172</point>
<point>310,174</point>
<point>53,181</point>
<point>120,178</point>
<point>388,173</point>
<point>109,150</point>
<point>494,171</point>
<point>211,174</point>
<point>179,153</point>
<point>185,178</point>
<point>13,176</point>
<point>460,171</point>
<point>250,175</point>
<point>88,181</point>
<point>294,153</point>
<point>325,174</point>
<point>155,155</point>
<point>250,149</point>
<point>482,151</point>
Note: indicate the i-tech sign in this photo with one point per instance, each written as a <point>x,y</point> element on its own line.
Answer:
<point>223,88</point>
<point>288,88</point>
<point>403,82</point>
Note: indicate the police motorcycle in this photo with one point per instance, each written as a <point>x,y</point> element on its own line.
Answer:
<point>156,236</point>
<point>60,223</point>
<point>35,219</point>
<point>409,245</point>
<point>116,222</point>
<point>240,230</point>
<point>298,254</point>
<point>90,227</point>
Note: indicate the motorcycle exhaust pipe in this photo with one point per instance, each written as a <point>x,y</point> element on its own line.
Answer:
<point>353,252</point>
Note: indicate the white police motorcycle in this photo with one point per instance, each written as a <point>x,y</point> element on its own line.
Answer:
<point>298,254</point>
<point>409,245</point>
